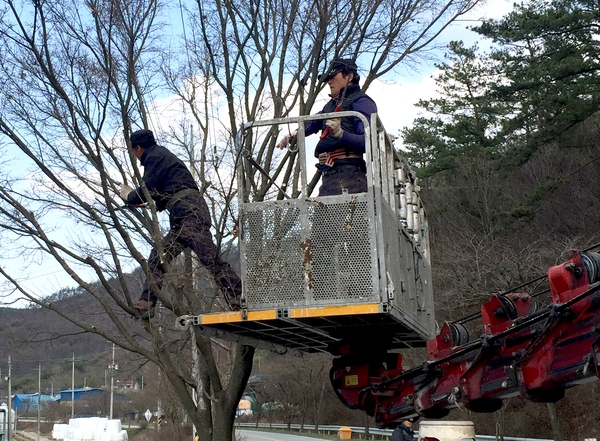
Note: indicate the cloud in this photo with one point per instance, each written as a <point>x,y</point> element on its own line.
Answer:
<point>492,10</point>
<point>396,101</point>
<point>396,98</point>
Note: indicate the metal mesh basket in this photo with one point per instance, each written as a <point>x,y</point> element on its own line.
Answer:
<point>349,249</point>
<point>308,252</point>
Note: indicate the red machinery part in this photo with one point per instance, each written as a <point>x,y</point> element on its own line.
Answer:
<point>566,278</point>
<point>523,351</point>
<point>348,380</point>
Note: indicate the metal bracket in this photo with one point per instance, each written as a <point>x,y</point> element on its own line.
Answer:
<point>283,313</point>
<point>185,321</point>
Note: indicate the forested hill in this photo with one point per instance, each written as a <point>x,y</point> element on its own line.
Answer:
<point>37,335</point>
<point>508,152</point>
<point>494,228</point>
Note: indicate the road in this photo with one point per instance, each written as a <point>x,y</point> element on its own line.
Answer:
<point>245,435</point>
<point>252,435</point>
<point>28,436</point>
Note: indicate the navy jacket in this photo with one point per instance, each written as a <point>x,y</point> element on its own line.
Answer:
<point>353,138</point>
<point>164,175</point>
<point>403,433</point>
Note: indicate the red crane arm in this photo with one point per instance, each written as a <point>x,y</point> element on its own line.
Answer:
<point>536,354</point>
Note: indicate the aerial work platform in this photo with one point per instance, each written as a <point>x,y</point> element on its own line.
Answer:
<point>317,271</point>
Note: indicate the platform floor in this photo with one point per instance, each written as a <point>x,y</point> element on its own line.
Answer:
<point>310,329</point>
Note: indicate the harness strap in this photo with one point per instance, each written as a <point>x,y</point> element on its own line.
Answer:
<point>328,158</point>
<point>176,197</point>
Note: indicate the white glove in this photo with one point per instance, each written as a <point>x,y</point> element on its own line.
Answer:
<point>286,140</point>
<point>125,190</point>
<point>335,126</point>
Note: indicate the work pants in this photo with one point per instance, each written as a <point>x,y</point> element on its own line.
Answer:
<point>350,178</point>
<point>190,228</point>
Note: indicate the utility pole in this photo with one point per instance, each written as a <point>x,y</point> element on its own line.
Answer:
<point>9,401</point>
<point>112,367</point>
<point>39,399</point>
<point>73,388</point>
<point>554,422</point>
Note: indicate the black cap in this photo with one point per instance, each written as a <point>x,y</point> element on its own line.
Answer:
<point>144,138</point>
<point>345,65</point>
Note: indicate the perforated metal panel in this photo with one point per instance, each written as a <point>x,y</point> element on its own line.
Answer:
<point>305,252</point>
<point>408,276</point>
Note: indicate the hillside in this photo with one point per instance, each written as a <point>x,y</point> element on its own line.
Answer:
<point>36,335</point>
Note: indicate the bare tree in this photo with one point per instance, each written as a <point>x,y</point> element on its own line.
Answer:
<point>79,76</point>
<point>265,56</point>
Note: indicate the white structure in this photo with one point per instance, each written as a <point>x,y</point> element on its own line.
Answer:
<point>90,429</point>
<point>4,418</point>
<point>446,431</point>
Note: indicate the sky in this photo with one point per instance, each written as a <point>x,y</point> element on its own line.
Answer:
<point>400,112</point>
<point>395,113</point>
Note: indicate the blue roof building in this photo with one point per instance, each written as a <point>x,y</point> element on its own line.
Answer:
<point>80,394</point>
<point>25,402</point>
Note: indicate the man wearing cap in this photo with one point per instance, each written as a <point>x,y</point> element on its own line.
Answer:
<point>404,432</point>
<point>172,188</point>
<point>342,145</point>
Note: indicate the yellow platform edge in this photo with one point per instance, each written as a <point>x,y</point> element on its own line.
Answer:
<point>294,313</point>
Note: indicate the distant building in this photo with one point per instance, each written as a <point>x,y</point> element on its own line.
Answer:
<point>127,384</point>
<point>86,393</point>
<point>26,402</point>
<point>244,408</point>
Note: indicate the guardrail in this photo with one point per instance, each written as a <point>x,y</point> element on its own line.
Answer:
<point>360,432</point>
<point>374,433</point>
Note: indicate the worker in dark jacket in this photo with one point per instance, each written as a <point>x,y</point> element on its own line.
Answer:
<point>342,145</point>
<point>172,188</point>
<point>404,432</point>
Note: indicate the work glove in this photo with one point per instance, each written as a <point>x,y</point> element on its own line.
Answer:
<point>285,141</point>
<point>335,127</point>
<point>125,190</point>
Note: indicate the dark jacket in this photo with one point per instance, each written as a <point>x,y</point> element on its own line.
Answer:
<point>353,139</point>
<point>164,174</point>
<point>403,433</point>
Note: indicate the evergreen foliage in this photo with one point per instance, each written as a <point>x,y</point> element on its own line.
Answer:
<point>541,79</point>
<point>465,121</point>
<point>548,55</point>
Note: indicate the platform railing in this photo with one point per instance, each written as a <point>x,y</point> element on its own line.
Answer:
<point>301,250</point>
